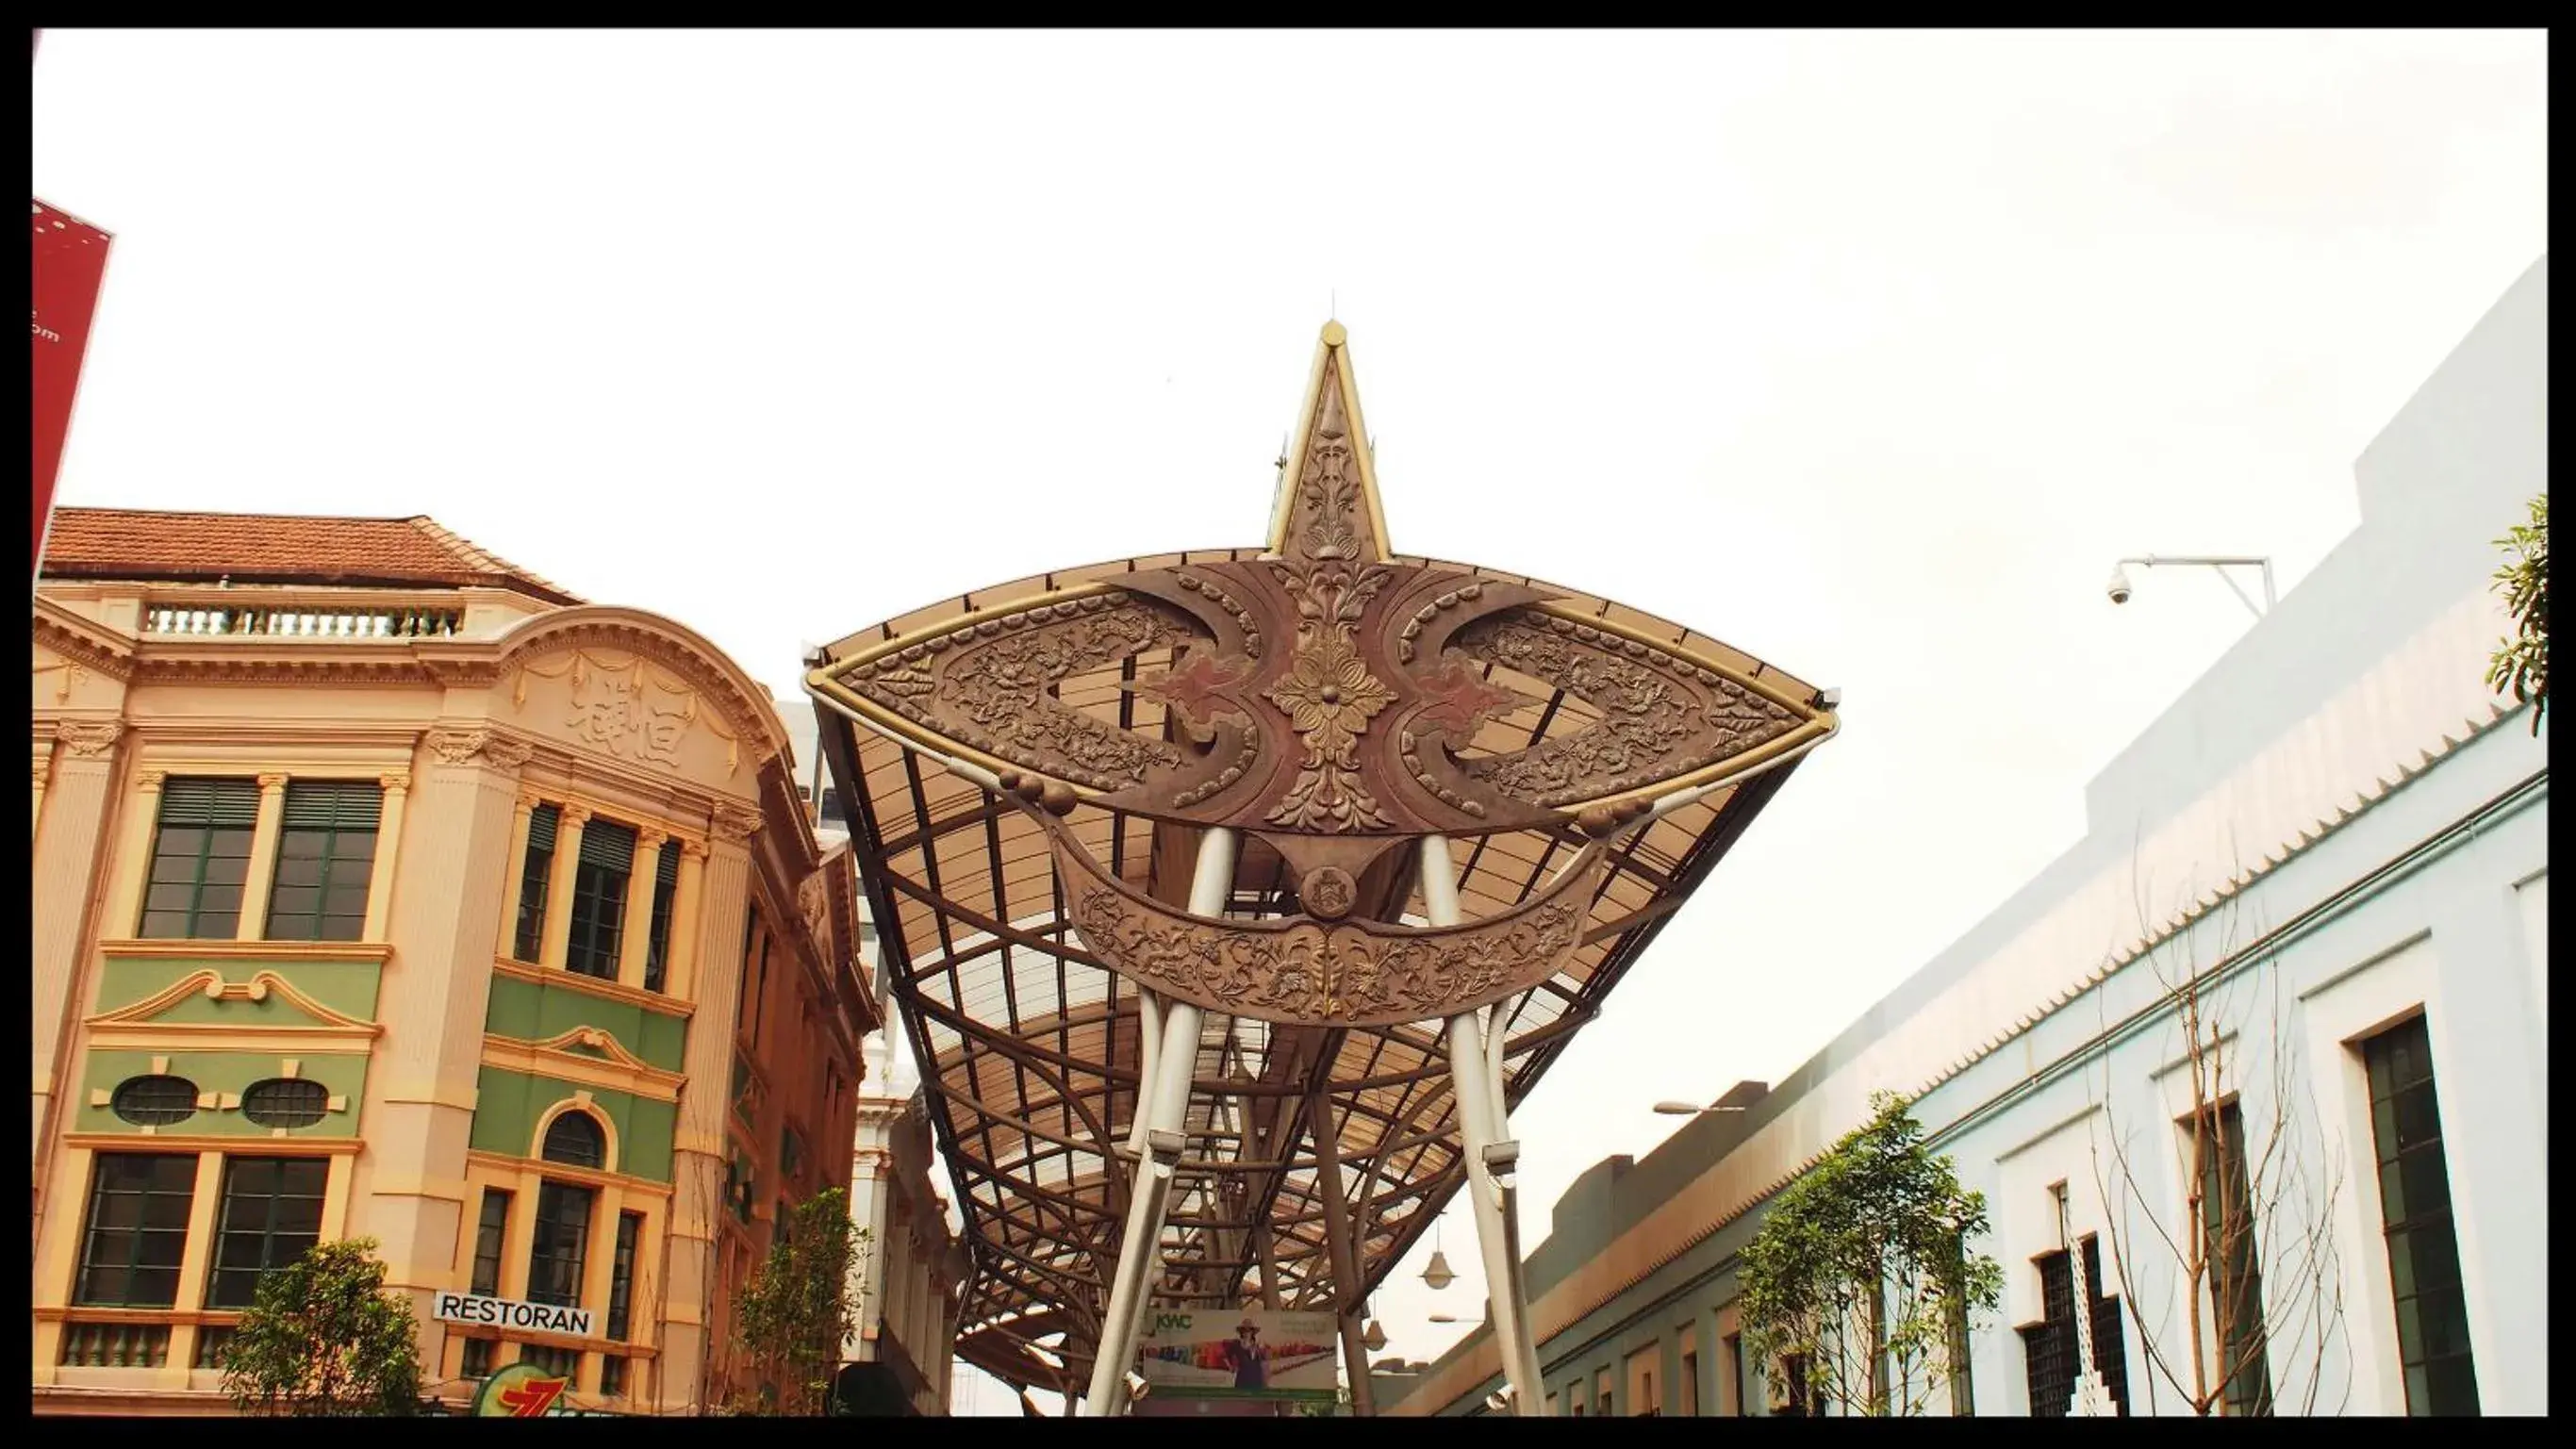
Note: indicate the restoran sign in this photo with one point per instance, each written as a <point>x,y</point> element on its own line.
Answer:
<point>510,1313</point>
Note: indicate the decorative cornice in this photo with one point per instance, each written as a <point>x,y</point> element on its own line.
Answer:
<point>734,824</point>
<point>372,953</point>
<point>83,641</point>
<point>89,737</point>
<point>502,1162</point>
<point>214,987</point>
<point>620,1070</point>
<point>574,981</point>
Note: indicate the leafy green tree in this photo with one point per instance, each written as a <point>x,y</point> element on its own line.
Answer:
<point>324,1337</point>
<point>1860,1284</point>
<point>2521,663</point>
<point>799,1308</point>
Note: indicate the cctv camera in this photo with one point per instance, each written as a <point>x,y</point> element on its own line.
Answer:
<point>2119,586</point>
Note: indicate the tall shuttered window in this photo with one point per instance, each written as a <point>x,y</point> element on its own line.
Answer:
<point>621,1275</point>
<point>2229,1237</point>
<point>325,854</point>
<point>137,1230</point>
<point>666,890</point>
<point>489,1234</point>
<point>599,885</point>
<point>272,1213</point>
<point>2415,1212</point>
<point>200,857</point>
<point>536,869</point>
<point>562,1241</point>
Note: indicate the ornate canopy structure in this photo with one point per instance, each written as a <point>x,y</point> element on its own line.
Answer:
<point>1232,896</point>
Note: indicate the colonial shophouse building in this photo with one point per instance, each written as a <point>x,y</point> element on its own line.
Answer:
<point>385,890</point>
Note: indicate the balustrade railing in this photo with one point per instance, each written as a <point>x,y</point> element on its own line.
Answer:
<point>229,621</point>
<point>115,1345</point>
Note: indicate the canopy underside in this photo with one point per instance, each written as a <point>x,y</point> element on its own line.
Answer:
<point>1029,1045</point>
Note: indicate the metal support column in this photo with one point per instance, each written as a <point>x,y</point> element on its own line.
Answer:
<point>1163,1108</point>
<point>1483,1129</point>
<point>1340,1250</point>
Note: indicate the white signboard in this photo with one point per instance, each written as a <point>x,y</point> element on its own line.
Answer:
<point>509,1313</point>
<point>1239,1354</point>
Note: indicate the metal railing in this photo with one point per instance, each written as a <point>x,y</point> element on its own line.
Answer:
<point>231,621</point>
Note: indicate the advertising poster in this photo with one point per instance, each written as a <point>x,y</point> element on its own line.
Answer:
<point>70,257</point>
<point>1240,1354</point>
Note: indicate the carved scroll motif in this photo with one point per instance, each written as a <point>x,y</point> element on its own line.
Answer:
<point>1661,716</point>
<point>1301,971</point>
<point>991,685</point>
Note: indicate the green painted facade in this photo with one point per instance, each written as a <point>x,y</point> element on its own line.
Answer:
<point>531,1012</point>
<point>508,1104</point>
<point>344,1074</point>
<point>347,987</point>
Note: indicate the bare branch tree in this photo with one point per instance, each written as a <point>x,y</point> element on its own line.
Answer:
<point>2250,1246</point>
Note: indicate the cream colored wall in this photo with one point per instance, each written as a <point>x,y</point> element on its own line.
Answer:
<point>611,708</point>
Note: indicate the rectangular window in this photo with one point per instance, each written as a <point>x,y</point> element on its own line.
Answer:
<point>612,1378</point>
<point>137,1230</point>
<point>489,1234</point>
<point>2415,1213</point>
<point>200,857</point>
<point>272,1213</point>
<point>477,1362</point>
<point>599,884</point>
<point>1793,1385</point>
<point>2050,1348</point>
<point>561,1363</point>
<point>326,853</point>
<point>621,1276</point>
<point>562,1239</point>
<point>1733,1346</point>
<point>791,1153</point>
<point>536,870</point>
<point>666,890</point>
<point>1690,1385</point>
<point>1603,1400</point>
<point>2227,1228</point>
<point>760,992</point>
<point>2110,1339</point>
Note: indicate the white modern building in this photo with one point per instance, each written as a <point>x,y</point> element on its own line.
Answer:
<point>2345,831</point>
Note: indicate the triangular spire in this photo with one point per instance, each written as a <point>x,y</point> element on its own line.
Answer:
<point>1327,509</point>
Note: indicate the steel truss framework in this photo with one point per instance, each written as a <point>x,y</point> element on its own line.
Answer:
<point>1319,1138</point>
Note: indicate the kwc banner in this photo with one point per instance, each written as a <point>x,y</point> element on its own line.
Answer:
<point>70,258</point>
<point>1239,1354</point>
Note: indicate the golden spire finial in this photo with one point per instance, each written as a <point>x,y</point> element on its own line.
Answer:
<point>1327,507</point>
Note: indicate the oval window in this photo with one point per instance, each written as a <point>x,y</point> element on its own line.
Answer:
<point>154,1101</point>
<point>285,1102</point>
<point>575,1139</point>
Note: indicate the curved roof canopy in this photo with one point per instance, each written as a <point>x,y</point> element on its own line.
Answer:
<point>1028,762</point>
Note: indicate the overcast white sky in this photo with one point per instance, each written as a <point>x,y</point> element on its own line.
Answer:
<point>1865,353</point>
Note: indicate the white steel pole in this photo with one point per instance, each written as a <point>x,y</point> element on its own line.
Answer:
<point>1480,1126</point>
<point>1164,1105</point>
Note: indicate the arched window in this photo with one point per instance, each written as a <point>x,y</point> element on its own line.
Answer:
<point>154,1101</point>
<point>285,1102</point>
<point>575,1139</point>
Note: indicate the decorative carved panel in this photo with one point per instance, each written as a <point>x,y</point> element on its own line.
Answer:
<point>1302,971</point>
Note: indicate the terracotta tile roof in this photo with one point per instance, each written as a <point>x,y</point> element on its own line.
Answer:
<point>130,543</point>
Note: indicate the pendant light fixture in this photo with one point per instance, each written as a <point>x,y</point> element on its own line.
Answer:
<point>1436,1272</point>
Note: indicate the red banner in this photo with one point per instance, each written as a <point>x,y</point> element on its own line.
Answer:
<point>70,257</point>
